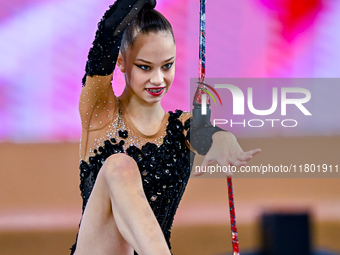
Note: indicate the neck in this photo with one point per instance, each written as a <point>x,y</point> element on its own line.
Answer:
<point>140,110</point>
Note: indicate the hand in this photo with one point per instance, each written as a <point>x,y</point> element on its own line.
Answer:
<point>225,150</point>
<point>103,55</point>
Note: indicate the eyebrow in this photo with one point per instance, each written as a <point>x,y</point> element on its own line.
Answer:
<point>151,63</point>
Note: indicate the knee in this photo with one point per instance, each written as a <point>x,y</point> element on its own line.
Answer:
<point>120,167</point>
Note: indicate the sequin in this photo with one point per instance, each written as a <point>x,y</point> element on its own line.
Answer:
<point>123,133</point>
<point>164,180</point>
<point>161,175</point>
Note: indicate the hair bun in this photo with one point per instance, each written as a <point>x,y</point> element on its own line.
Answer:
<point>150,4</point>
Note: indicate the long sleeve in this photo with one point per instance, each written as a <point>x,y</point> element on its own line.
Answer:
<point>103,55</point>
<point>200,138</point>
<point>97,99</point>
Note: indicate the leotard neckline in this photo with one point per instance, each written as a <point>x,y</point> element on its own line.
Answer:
<point>132,126</point>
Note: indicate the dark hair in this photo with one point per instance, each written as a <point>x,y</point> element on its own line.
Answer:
<point>147,21</point>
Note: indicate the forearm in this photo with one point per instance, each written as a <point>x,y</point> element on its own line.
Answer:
<point>201,138</point>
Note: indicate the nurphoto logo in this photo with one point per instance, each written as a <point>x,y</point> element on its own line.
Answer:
<point>238,104</point>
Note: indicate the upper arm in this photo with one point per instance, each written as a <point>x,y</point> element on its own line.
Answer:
<point>97,102</point>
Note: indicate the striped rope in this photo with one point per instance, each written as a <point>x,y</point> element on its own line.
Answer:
<point>234,236</point>
<point>202,89</point>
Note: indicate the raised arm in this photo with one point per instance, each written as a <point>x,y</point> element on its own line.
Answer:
<point>97,92</point>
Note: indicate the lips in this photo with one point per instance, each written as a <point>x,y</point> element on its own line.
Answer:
<point>155,91</point>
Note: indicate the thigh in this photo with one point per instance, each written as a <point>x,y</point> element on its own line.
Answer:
<point>98,233</point>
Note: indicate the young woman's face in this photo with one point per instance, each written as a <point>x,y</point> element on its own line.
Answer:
<point>149,66</point>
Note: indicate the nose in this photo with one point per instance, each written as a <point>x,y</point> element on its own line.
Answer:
<point>157,77</point>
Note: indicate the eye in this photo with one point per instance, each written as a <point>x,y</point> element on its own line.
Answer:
<point>144,67</point>
<point>168,65</point>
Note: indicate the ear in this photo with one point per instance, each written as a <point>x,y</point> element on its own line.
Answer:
<point>120,62</point>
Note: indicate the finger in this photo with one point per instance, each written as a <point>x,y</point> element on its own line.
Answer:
<point>229,174</point>
<point>245,157</point>
<point>254,152</point>
<point>206,162</point>
<point>224,162</point>
<point>198,170</point>
<point>197,173</point>
<point>238,163</point>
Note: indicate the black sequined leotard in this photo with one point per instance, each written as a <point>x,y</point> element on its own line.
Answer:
<point>163,158</point>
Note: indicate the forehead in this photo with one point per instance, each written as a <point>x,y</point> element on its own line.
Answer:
<point>152,47</point>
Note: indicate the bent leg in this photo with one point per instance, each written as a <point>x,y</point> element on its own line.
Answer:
<point>118,218</point>
<point>98,232</point>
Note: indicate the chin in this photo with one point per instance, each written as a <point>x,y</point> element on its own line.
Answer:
<point>154,99</point>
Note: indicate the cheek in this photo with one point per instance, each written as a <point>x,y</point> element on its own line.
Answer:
<point>138,74</point>
<point>138,78</point>
<point>134,74</point>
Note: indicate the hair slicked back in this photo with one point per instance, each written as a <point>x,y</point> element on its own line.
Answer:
<point>147,21</point>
